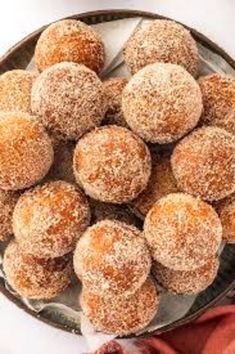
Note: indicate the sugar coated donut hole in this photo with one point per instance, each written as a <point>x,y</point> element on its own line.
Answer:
<point>112,257</point>
<point>161,183</point>
<point>162,103</point>
<point>70,40</point>
<point>8,201</point>
<point>218,94</point>
<point>69,99</point>
<point>49,219</point>
<point>161,41</point>
<point>26,151</point>
<point>186,282</point>
<point>113,89</point>
<point>182,231</point>
<point>112,164</point>
<point>121,315</point>
<point>15,90</point>
<point>101,211</point>
<point>226,211</point>
<point>36,278</point>
<point>203,163</point>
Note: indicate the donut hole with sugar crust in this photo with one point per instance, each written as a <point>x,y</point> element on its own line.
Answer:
<point>182,231</point>
<point>186,282</point>
<point>36,278</point>
<point>112,257</point>
<point>72,41</point>
<point>112,164</point>
<point>69,99</point>
<point>203,163</point>
<point>121,315</point>
<point>161,41</point>
<point>26,151</point>
<point>48,220</point>
<point>15,90</point>
<point>161,103</point>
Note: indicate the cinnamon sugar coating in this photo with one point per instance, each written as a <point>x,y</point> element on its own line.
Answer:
<point>228,123</point>
<point>112,164</point>
<point>112,257</point>
<point>26,152</point>
<point>69,99</point>
<point>36,278</point>
<point>218,94</point>
<point>121,315</point>
<point>203,163</point>
<point>70,40</point>
<point>182,231</point>
<point>49,219</point>
<point>15,90</point>
<point>161,41</point>
<point>162,103</point>
<point>186,282</point>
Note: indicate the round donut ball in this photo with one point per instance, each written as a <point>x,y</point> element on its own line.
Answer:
<point>112,257</point>
<point>70,40</point>
<point>161,183</point>
<point>161,41</point>
<point>113,89</point>
<point>36,278</point>
<point>101,211</point>
<point>26,151</point>
<point>62,168</point>
<point>121,315</point>
<point>186,282</point>
<point>226,211</point>
<point>203,163</point>
<point>218,94</point>
<point>49,219</point>
<point>182,231</point>
<point>8,201</point>
<point>112,164</point>
<point>15,90</point>
<point>162,103</point>
<point>69,99</point>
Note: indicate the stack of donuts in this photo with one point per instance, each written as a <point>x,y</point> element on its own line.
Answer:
<point>129,182</point>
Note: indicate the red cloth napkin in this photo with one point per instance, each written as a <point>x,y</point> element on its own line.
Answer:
<point>212,333</point>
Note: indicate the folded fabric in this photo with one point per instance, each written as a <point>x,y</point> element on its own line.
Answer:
<point>212,333</point>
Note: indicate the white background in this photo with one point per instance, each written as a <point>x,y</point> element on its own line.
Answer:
<point>19,333</point>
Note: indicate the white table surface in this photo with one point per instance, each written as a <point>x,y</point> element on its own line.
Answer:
<point>20,333</point>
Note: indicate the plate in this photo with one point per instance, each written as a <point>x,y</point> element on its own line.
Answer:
<point>18,57</point>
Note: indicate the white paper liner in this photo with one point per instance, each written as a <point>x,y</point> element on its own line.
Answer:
<point>65,308</point>
<point>115,38</point>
